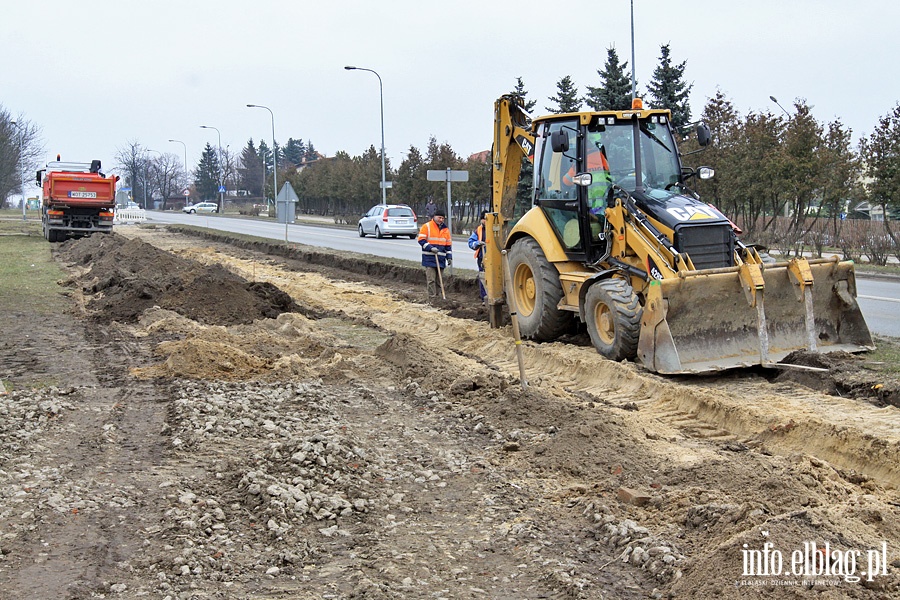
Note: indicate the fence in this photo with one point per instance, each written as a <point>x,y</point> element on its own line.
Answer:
<point>876,241</point>
<point>129,215</point>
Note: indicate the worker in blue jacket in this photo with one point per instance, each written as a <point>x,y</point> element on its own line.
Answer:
<point>477,243</point>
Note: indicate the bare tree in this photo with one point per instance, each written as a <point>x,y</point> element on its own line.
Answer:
<point>20,150</point>
<point>166,171</point>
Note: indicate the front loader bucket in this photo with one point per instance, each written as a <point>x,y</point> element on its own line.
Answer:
<point>751,315</point>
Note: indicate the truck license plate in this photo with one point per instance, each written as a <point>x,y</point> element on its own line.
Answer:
<point>82,194</point>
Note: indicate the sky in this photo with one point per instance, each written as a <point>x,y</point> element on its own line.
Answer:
<point>98,75</point>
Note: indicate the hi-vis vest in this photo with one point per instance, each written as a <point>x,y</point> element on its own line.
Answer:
<point>435,236</point>
<point>432,235</point>
<point>479,234</point>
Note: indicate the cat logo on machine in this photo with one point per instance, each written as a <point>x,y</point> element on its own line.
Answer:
<point>694,213</point>
<point>526,145</point>
<point>653,270</point>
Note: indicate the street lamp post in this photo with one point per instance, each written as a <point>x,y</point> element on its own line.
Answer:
<point>274,153</point>
<point>381,96</point>
<point>185,153</point>
<point>185,164</point>
<point>221,182</point>
<point>772,98</point>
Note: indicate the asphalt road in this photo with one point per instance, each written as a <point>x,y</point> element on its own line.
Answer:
<point>319,235</point>
<point>879,299</point>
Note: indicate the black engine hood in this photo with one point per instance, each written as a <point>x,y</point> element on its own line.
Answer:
<point>676,210</point>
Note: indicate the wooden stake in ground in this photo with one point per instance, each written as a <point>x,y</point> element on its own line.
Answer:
<point>513,315</point>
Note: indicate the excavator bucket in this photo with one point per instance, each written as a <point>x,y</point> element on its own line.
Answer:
<point>751,315</point>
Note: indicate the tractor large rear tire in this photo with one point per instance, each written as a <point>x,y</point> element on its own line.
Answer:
<point>613,317</point>
<point>537,292</point>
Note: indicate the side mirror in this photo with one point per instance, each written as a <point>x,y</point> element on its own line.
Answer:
<point>706,172</point>
<point>559,140</point>
<point>39,174</point>
<point>583,179</point>
<point>703,134</point>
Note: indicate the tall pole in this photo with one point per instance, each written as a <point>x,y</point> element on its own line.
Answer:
<point>274,152</point>
<point>633,85</point>
<point>185,153</point>
<point>772,98</point>
<point>381,96</point>
<point>186,177</point>
<point>221,175</point>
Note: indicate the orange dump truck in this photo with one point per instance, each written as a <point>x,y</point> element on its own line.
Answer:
<point>78,200</point>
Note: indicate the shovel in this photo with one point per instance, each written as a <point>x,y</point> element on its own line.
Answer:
<point>440,277</point>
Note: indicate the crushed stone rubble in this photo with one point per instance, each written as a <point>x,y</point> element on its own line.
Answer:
<point>26,416</point>
<point>277,484</point>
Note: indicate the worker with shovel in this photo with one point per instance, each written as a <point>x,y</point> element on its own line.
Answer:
<point>435,240</point>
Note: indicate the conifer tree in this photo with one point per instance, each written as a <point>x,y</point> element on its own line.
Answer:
<point>614,93</point>
<point>251,170</point>
<point>294,152</point>
<point>207,181</point>
<point>668,89</point>
<point>520,92</point>
<point>566,97</point>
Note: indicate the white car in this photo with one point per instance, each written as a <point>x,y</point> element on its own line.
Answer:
<point>389,219</point>
<point>200,207</point>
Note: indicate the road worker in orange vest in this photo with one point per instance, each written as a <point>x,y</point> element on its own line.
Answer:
<point>434,237</point>
<point>477,243</point>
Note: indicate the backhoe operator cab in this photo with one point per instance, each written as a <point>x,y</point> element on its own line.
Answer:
<point>613,236</point>
<point>584,165</point>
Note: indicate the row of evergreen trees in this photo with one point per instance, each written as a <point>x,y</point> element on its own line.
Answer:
<point>767,165</point>
<point>346,186</point>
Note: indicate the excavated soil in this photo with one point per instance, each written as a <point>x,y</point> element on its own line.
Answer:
<point>215,420</point>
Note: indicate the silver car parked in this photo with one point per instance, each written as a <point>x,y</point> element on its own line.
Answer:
<point>201,207</point>
<point>389,219</point>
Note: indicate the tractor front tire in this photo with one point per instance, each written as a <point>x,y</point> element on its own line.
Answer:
<point>537,292</point>
<point>613,317</point>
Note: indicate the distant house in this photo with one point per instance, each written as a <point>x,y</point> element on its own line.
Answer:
<point>483,156</point>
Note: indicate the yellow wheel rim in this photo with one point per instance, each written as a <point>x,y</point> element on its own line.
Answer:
<point>524,289</point>
<point>606,327</point>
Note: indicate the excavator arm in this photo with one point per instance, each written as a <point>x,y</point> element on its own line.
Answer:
<point>513,142</point>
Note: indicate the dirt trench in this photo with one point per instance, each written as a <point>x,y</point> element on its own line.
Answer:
<point>363,443</point>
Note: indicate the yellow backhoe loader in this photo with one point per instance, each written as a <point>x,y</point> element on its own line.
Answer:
<point>613,237</point>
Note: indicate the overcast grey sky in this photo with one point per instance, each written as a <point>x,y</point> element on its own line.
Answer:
<point>97,74</point>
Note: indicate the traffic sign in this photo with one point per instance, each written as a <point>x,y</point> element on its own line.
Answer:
<point>221,189</point>
<point>447,175</point>
<point>186,193</point>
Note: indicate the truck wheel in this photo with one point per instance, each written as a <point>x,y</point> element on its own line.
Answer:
<point>613,316</point>
<point>537,292</point>
<point>51,236</point>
